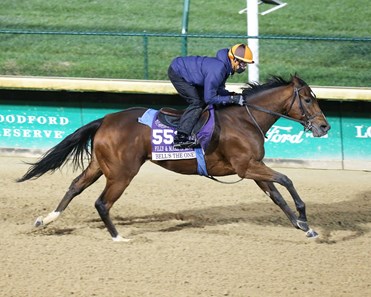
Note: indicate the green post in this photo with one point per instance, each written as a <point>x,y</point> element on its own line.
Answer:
<point>185,26</point>
<point>145,54</point>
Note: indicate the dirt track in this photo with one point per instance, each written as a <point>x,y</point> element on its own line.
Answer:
<point>190,237</point>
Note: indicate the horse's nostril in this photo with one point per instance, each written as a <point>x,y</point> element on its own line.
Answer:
<point>325,127</point>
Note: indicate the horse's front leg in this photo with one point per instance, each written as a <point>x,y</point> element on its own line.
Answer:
<point>271,191</point>
<point>265,177</point>
<point>301,223</point>
<point>299,204</point>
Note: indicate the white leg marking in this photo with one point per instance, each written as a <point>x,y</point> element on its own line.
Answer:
<point>118,238</point>
<point>40,221</point>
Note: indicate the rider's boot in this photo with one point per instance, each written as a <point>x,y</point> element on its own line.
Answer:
<point>182,140</point>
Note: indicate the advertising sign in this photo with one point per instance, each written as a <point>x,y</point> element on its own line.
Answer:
<point>25,126</point>
<point>288,140</point>
<point>356,138</point>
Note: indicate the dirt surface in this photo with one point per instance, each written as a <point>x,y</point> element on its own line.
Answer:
<point>190,237</point>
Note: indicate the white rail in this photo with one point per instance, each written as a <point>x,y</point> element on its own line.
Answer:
<point>150,86</point>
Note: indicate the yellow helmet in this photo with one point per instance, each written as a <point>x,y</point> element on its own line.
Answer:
<point>241,52</point>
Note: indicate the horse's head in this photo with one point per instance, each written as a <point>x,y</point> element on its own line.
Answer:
<point>304,107</point>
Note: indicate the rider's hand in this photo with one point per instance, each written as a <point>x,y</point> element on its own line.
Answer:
<point>237,99</point>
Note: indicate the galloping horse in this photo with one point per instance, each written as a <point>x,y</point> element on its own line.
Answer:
<point>117,146</point>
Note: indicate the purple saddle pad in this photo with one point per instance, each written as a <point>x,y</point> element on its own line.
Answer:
<point>163,136</point>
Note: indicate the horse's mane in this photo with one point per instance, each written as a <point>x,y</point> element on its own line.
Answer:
<point>273,82</point>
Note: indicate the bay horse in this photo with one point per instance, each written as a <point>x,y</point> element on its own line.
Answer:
<point>117,145</point>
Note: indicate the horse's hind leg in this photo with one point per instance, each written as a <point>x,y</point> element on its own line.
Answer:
<point>111,193</point>
<point>79,184</point>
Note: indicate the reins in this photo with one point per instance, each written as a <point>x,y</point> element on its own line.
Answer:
<point>306,123</point>
<point>247,105</point>
<point>223,182</point>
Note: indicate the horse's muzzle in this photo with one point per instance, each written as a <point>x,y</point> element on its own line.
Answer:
<point>320,129</point>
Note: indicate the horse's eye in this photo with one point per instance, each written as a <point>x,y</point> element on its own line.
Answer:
<point>308,100</point>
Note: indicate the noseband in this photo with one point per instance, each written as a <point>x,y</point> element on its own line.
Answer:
<point>307,122</point>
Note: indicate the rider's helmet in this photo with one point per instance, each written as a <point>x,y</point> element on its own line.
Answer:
<point>240,53</point>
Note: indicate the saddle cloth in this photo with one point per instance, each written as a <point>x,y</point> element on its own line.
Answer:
<point>163,134</point>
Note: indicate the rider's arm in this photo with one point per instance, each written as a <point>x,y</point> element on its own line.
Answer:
<point>214,90</point>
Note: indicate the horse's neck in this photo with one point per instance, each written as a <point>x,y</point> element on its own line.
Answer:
<point>275,100</point>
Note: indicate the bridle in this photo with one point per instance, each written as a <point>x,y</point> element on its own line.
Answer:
<point>306,122</point>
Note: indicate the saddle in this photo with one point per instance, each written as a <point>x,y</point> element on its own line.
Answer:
<point>171,117</point>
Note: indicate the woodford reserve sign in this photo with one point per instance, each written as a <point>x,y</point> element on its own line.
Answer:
<point>348,143</point>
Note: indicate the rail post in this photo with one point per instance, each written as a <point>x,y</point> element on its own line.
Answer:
<point>145,54</point>
<point>185,27</point>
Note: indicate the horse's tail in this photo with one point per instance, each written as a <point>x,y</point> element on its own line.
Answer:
<point>74,145</point>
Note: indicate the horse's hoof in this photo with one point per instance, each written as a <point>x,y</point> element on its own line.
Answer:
<point>39,222</point>
<point>311,234</point>
<point>302,225</point>
<point>118,238</point>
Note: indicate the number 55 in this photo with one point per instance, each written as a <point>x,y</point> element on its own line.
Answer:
<point>162,136</point>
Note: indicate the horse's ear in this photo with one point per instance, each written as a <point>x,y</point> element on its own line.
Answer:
<point>294,75</point>
<point>296,80</point>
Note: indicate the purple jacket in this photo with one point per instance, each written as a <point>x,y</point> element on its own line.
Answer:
<point>209,73</point>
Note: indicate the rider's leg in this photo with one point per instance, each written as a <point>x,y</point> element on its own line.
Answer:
<point>191,114</point>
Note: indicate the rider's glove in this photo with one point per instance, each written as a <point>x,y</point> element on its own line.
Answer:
<point>237,99</point>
